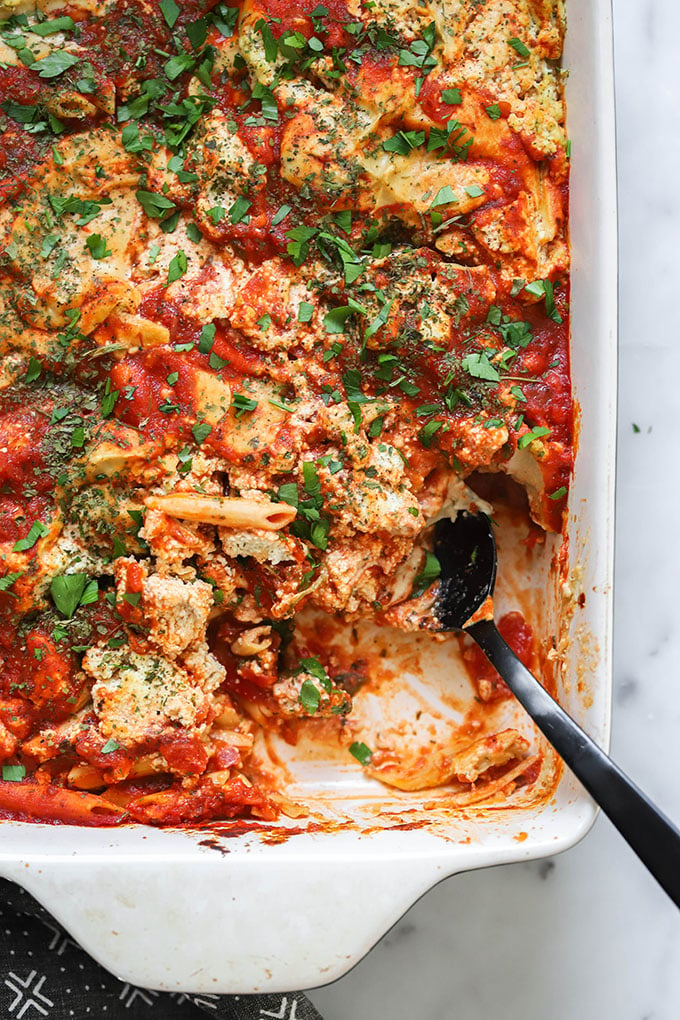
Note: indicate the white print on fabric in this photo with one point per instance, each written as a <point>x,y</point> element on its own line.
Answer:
<point>36,1000</point>
<point>197,1000</point>
<point>60,940</point>
<point>283,1014</point>
<point>130,993</point>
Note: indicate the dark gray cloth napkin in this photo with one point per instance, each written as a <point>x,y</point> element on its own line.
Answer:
<point>44,973</point>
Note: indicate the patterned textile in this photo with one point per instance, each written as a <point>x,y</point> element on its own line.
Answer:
<point>44,973</point>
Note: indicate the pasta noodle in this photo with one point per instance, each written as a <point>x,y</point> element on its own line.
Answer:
<point>222,511</point>
<point>280,286</point>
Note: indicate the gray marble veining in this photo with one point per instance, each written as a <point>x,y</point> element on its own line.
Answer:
<point>588,935</point>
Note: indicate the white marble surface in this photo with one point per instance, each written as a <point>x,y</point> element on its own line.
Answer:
<point>589,935</point>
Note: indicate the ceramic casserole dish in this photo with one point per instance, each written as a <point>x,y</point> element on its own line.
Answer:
<point>293,904</point>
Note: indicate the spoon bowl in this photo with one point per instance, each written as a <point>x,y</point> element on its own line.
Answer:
<point>466,551</point>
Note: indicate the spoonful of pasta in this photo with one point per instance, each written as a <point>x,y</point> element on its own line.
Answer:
<point>466,551</point>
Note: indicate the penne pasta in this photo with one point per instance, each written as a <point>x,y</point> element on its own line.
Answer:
<point>86,777</point>
<point>224,511</point>
<point>43,801</point>
<point>220,778</point>
<point>149,765</point>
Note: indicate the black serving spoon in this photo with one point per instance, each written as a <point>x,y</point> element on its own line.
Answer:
<point>466,551</point>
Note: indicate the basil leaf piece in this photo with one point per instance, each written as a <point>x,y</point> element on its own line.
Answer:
<point>281,214</point>
<point>33,371</point>
<point>239,209</point>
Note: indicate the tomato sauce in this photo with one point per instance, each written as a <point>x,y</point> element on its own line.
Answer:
<point>123,46</point>
<point>26,483</point>
<point>286,17</point>
<point>520,636</point>
<point>40,665</point>
<point>20,150</point>
<point>241,680</point>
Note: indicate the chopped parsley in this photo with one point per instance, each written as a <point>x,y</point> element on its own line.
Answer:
<point>8,580</point>
<point>69,591</point>
<point>154,205</point>
<point>544,289</point>
<point>536,433</point>
<point>55,63</point>
<point>170,12</point>
<point>519,47</point>
<point>64,24</point>
<point>242,404</point>
<point>305,312</point>
<point>37,530</point>
<point>427,576</point>
<point>97,246</point>
<point>177,268</point>
<point>361,752</point>
<point>239,209</point>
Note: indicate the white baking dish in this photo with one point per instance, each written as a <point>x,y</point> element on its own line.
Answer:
<point>176,910</point>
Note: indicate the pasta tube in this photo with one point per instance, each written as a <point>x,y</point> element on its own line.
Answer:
<point>224,511</point>
<point>54,802</point>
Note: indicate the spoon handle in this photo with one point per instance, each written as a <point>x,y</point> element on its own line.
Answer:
<point>652,836</point>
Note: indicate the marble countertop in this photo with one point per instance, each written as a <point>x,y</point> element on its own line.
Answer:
<point>588,934</point>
